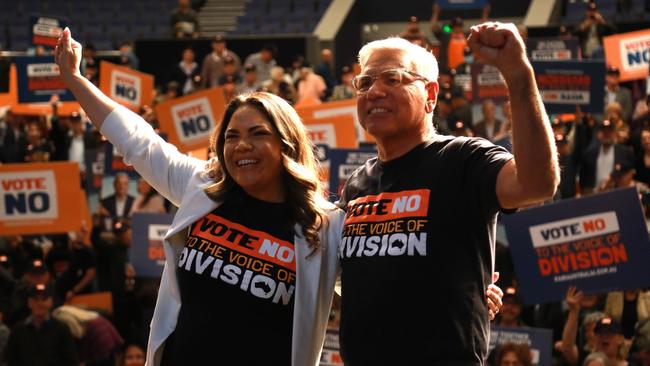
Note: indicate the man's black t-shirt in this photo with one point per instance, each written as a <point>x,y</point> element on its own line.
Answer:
<point>417,255</point>
<point>237,281</point>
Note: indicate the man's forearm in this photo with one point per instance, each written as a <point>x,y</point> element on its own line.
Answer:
<point>532,137</point>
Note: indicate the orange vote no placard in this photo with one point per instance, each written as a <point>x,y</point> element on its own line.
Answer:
<point>629,52</point>
<point>190,120</point>
<point>126,86</point>
<point>335,132</point>
<point>327,110</point>
<point>40,198</point>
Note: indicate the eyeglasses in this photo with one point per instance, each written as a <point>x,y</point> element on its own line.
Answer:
<point>390,78</point>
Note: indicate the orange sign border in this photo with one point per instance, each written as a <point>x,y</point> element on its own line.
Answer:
<point>613,54</point>
<point>68,191</point>
<point>309,112</point>
<point>344,129</point>
<point>11,99</point>
<point>146,83</point>
<point>163,110</point>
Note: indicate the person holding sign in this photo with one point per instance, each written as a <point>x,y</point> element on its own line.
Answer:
<point>251,256</point>
<point>421,216</point>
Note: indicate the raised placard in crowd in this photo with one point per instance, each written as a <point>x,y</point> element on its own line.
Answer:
<point>38,80</point>
<point>126,86</point>
<point>565,84</point>
<point>337,108</point>
<point>488,83</point>
<point>335,131</point>
<point>552,49</point>
<point>189,120</point>
<point>40,198</point>
<point>630,52</point>
<point>45,31</point>
<point>342,163</point>
<point>598,243</point>
<point>539,340</point>
<point>147,253</point>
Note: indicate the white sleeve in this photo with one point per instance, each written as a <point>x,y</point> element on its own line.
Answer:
<point>160,163</point>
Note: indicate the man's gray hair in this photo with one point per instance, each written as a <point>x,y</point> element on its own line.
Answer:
<point>422,61</point>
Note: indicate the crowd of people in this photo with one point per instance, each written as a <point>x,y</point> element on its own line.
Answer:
<point>39,274</point>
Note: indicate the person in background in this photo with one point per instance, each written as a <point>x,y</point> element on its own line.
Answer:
<point>345,90</point>
<point>614,93</point>
<point>311,87</point>
<point>510,314</point>
<point>279,86</point>
<point>489,126</point>
<point>133,354</point>
<point>511,354</point>
<point>452,44</point>
<point>184,21</point>
<point>97,339</point>
<point>187,73</point>
<point>118,204</point>
<point>591,31</point>
<point>250,83</point>
<point>325,70</point>
<point>212,67</point>
<point>41,339</point>
<point>148,200</point>
<point>264,62</point>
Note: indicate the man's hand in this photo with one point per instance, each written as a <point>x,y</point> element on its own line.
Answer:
<point>67,55</point>
<point>500,45</point>
<point>573,297</point>
<point>494,296</point>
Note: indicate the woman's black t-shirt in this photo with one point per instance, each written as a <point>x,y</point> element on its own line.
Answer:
<point>237,277</point>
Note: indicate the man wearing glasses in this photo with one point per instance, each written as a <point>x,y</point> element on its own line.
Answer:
<point>417,252</point>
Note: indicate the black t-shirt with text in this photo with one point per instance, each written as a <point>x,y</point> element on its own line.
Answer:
<point>237,281</point>
<point>417,255</point>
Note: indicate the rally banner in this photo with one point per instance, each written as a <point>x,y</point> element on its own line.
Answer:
<point>337,108</point>
<point>342,163</point>
<point>598,243</point>
<point>630,52</point>
<point>190,120</point>
<point>38,108</point>
<point>147,253</point>
<point>38,80</point>
<point>331,355</point>
<point>539,340</point>
<point>462,4</point>
<point>335,132</point>
<point>488,83</point>
<point>565,84</point>
<point>40,198</point>
<point>552,49</point>
<point>126,86</point>
<point>45,31</point>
